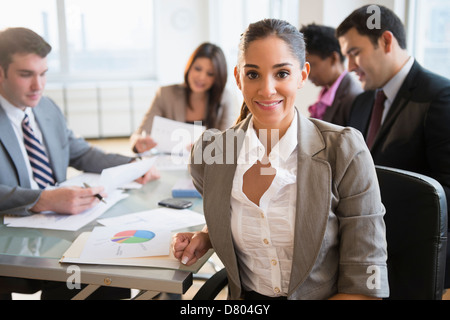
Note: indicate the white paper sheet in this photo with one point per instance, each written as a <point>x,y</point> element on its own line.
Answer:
<point>171,162</point>
<point>55,221</point>
<point>119,176</point>
<point>161,218</point>
<point>130,241</point>
<point>72,255</point>
<point>111,178</point>
<point>174,137</point>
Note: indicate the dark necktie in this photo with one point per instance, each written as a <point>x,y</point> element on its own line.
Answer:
<point>40,165</point>
<point>375,120</point>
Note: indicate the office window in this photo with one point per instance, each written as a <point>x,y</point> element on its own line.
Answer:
<point>40,16</point>
<point>91,40</point>
<point>430,34</point>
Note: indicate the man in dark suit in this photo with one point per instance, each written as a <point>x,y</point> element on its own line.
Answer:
<point>414,115</point>
<point>339,88</point>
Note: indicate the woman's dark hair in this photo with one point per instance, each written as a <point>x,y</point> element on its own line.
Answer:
<point>389,21</point>
<point>263,29</point>
<point>20,40</point>
<point>217,57</point>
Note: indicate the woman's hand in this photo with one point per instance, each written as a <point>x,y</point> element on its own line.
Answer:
<point>143,143</point>
<point>188,247</point>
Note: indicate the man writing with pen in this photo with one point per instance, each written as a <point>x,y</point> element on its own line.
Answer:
<point>36,146</point>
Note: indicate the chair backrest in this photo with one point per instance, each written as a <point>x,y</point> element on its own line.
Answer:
<point>212,286</point>
<point>416,232</point>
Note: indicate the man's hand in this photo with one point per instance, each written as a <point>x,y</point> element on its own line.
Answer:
<point>68,200</point>
<point>152,174</point>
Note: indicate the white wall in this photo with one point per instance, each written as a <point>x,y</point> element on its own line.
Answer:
<point>180,26</point>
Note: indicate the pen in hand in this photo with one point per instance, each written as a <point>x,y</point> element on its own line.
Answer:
<point>98,196</point>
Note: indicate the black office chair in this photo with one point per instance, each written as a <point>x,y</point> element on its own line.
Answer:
<point>212,287</point>
<point>416,232</point>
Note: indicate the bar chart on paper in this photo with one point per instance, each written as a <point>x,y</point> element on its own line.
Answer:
<point>133,236</point>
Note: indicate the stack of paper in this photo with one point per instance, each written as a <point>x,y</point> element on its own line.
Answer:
<point>138,239</point>
<point>184,188</point>
<point>112,179</point>
<point>53,221</point>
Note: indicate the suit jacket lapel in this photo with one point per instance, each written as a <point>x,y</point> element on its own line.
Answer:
<point>313,201</point>
<point>9,140</point>
<point>401,100</point>
<point>341,90</point>
<point>217,197</point>
<point>361,112</point>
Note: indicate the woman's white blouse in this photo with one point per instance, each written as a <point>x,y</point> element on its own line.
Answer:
<point>264,235</point>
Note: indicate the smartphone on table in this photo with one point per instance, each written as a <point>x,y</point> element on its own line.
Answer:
<point>175,203</point>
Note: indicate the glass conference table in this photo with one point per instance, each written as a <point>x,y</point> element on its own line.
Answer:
<point>35,253</point>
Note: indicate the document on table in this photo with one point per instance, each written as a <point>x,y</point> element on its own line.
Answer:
<point>129,241</point>
<point>136,239</point>
<point>161,218</point>
<point>55,221</point>
<point>111,178</point>
<point>119,176</point>
<point>174,137</point>
<point>73,255</point>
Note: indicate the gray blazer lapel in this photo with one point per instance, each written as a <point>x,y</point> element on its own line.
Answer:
<point>9,140</point>
<point>313,202</point>
<point>219,181</point>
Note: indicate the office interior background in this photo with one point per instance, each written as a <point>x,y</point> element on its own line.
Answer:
<point>109,56</point>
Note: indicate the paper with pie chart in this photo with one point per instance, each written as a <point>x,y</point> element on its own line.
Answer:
<point>127,242</point>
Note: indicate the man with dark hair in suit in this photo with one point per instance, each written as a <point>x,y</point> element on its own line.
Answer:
<point>36,146</point>
<point>339,88</point>
<point>404,113</point>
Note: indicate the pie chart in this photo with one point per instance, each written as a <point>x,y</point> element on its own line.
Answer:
<point>133,236</point>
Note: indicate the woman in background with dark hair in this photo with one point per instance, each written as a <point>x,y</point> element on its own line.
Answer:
<point>202,97</point>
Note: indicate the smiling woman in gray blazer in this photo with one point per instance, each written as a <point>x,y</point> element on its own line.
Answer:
<point>292,205</point>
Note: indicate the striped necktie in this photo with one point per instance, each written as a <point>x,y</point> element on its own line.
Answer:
<point>40,165</point>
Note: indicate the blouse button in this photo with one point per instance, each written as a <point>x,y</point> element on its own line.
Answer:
<point>274,262</point>
<point>266,241</point>
<point>276,290</point>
